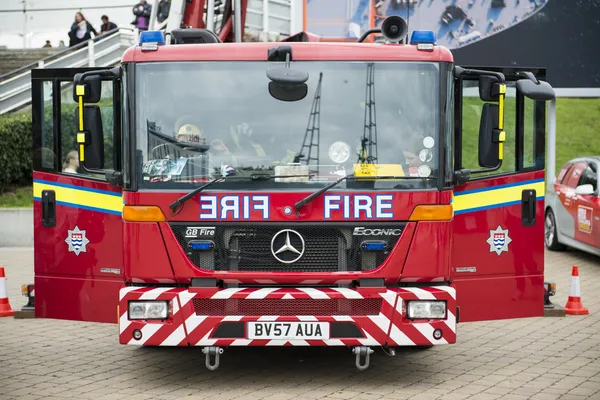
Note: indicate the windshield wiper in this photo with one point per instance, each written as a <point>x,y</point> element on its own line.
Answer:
<point>319,192</point>
<point>177,205</point>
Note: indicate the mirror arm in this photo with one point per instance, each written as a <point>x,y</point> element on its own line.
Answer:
<point>528,75</point>
<point>483,170</point>
<point>115,178</point>
<point>459,72</point>
<point>461,176</point>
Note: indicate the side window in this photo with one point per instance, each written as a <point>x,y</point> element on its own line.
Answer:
<point>574,175</point>
<point>471,115</point>
<point>562,173</point>
<point>529,133</point>
<point>69,128</point>
<point>589,176</point>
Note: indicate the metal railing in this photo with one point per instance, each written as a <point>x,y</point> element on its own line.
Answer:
<point>103,50</point>
<point>268,19</point>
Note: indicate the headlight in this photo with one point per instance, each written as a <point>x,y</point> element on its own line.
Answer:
<point>426,309</point>
<point>148,309</point>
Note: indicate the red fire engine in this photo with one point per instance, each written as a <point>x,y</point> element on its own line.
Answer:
<point>296,193</point>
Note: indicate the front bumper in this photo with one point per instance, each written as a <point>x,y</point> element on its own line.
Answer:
<point>356,317</point>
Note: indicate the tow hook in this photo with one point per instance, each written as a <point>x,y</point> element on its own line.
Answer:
<point>362,351</point>
<point>212,351</point>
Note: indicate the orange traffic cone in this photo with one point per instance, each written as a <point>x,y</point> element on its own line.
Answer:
<point>5,310</point>
<point>574,305</point>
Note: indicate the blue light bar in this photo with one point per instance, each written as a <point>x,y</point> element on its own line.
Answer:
<point>201,245</point>
<point>419,37</point>
<point>152,37</point>
<point>374,245</point>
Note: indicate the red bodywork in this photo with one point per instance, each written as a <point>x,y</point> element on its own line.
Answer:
<point>148,254</point>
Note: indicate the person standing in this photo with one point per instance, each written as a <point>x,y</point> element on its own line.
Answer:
<point>142,11</point>
<point>106,26</point>
<point>81,30</point>
<point>48,44</point>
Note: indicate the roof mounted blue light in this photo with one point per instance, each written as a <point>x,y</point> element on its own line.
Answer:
<point>152,37</point>
<point>421,37</point>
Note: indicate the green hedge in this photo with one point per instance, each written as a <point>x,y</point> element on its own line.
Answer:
<point>15,151</point>
<point>16,143</point>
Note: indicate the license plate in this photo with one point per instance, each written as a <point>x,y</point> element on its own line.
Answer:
<point>288,330</point>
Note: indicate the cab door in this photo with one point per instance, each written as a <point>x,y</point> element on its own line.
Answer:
<point>498,242</point>
<point>78,259</point>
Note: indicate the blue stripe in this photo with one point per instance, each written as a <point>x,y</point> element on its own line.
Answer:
<point>65,185</point>
<point>103,210</point>
<point>499,187</point>
<point>491,206</point>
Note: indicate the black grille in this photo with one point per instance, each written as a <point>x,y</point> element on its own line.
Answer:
<point>247,247</point>
<point>257,307</point>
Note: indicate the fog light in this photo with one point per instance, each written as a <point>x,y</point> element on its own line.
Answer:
<point>437,334</point>
<point>137,334</point>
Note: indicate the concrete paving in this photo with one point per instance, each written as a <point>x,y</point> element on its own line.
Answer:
<point>532,358</point>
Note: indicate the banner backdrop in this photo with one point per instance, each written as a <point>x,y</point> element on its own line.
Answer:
<point>561,35</point>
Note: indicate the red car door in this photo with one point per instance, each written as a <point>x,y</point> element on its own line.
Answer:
<point>587,208</point>
<point>566,211</point>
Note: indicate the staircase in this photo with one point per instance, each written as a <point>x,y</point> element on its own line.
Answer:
<point>12,59</point>
<point>266,20</point>
<point>15,86</point>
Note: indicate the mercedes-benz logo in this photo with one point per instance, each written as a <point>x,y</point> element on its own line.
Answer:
<point>287,246</point>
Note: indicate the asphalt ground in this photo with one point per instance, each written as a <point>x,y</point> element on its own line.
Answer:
<point>531,358</point>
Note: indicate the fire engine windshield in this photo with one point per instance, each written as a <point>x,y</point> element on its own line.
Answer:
<point>197,121</point>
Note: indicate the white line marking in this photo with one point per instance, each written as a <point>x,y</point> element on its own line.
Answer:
<point>226,294</point>
<point>261,293</point>
<point>154,293</point>
<point>314,293</point>
<point>175,338</point>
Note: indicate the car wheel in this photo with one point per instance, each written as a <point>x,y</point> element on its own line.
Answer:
<point>550,236</point>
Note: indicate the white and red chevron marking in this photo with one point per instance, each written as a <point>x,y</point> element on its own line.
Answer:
<point>184,327</point>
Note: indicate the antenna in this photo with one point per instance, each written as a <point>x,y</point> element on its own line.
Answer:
<point>314,127</point>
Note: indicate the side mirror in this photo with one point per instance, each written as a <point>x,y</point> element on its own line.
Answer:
<point>490,137</point>
<point>541,91</point>
<point>489,88</point>
<point>288,92</point>
<point>89,86</point>
<point>584,190</point>
<point>90,139</point>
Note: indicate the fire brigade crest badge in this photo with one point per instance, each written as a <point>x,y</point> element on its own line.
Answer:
<point>499,240</point>
<point>77,241</point>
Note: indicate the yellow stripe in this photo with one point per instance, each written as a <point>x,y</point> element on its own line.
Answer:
<point>493,197</point>
<point>82,198</point>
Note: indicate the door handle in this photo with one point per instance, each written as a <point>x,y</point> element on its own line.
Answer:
<point>48,208</point>
<point>528,207</point>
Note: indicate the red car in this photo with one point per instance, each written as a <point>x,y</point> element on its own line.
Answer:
<point>573,207</point>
